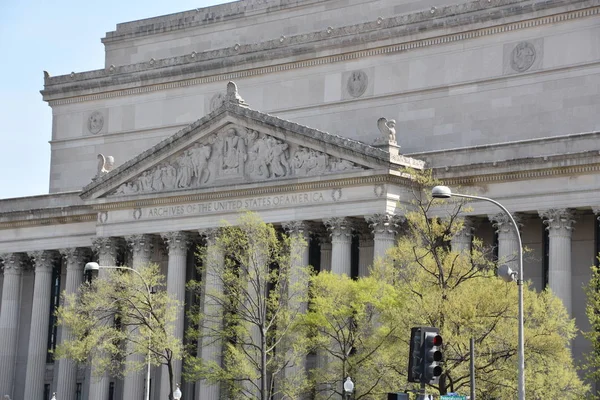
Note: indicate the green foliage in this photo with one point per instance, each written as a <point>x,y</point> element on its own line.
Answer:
<point>460,294</point>
<point>351,324</point>
<point>114,316</point>
<point>592,292</point>
<point>255,293</point>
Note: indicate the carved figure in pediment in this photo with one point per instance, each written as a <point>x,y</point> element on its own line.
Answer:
<point>169,176</point>
<point>278,157</point>
<point>234,152</point>
<point>199,155</point>
<point>127,188</point>
<point>310,162</point>
<point>157,182</point>
<point>185,171</point>
<point>258,152</point>
<point>342,165</point>
<point>145,182</point>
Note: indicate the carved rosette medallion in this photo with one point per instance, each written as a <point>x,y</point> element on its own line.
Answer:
<point>102,217</point>
<point>137,213</point>
<point>559,222</point>
<point>178,242</point>
<point>357,83</point>
<point>95,122</point>
<point>522,57</point>
<point>336,194</point>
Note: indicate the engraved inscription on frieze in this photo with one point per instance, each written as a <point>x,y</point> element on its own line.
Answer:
<point>234,155</point>
<point>522,57</point>
<point>357,83</point>
<point>95,122</point>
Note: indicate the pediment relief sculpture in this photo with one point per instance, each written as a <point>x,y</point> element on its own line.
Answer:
<point>234,155</point>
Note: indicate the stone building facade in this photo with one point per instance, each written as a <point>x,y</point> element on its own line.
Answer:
<point>499,97</point>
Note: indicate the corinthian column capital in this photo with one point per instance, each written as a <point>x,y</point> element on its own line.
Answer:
<point>75,256</point>
<point>14,263</point>
<point>178,242</point>
<point>339,227</point>
<point>502,222</point>
<point>107,246</point>
<point>559,221</point>
<point>384,223</point>
<point>210,235</point>
<point>44,259</point>
<point>140,243</point>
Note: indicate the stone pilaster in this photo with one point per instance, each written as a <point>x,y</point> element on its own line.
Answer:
<point>508,242</point>
<point>385,228</point>
<point>461,241</point>
<point>341,244</point>
<point>141,248</point>
<point>67,369</point>
<point>40,320</point>
<point>209,347</point>
<point>178,244</point>
<point>107,249</point>
<point>365,249</point>
<point>14,263</point>
<point>560,227</point>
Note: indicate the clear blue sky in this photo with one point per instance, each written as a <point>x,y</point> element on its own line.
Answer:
<point>58,36</point>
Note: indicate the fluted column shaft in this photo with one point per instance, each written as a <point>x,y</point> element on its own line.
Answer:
<point>325,253</point>
<point>67,369</point>
<point>560,227</point>
<point>298,283</point>
<point>461,241</point>
<point>14,264</point>
<point>178,243</point>
<point>341,245</point>
<point>508,242</point>
<point>40,319</point>
<point>107,248</point>
<point>134,385</point>
<point>384,227</point>
<point>208,347</point>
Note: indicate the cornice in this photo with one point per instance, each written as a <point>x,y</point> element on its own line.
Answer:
<point>403,179</point>
<point>200,68</point>
<point>521,169</point>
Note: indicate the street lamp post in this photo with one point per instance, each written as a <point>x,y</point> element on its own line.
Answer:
<point>348,387</point>
<point>93,266</point>
<point>444,192</point>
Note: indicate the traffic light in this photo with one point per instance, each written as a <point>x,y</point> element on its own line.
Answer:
<point>432,355</point>
<point>425,355</point>
<point>415,365</point>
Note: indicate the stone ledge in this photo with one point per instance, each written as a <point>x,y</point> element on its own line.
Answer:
<point>209,62</point>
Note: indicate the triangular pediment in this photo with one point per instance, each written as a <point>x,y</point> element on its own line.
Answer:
<point>234,146</point>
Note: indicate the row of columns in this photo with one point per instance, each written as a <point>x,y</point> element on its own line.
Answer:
<point>375,238</point>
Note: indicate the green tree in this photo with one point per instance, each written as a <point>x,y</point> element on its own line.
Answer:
<point>114,316</point>
<point>351,327</point>
<point>592,292</point>
<point>461,294</point>
<point>254,295</point>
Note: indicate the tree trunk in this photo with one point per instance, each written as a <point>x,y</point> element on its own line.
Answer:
<point>263,365</point>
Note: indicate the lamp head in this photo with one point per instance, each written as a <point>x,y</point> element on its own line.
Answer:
<point>177,393</point>
<point>506,273</point>
<point>348,385</point>
<point>441,192</point>
<point>91,266</point>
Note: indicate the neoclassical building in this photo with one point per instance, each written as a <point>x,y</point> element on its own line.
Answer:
<point>334,98</point>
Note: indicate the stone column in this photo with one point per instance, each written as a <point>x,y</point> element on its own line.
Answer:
<point>461,241</point>
<point>14,263</point>
<point>107,248</point>
<point>385,227</point>
<point>178,243</point>
<point>325,240</point>
<point>341,244</point>
<point>134,386</point>
<point>560,227</point>
<point>365,250</point>
<point>40,320</point>
<point>298,283</point>
<point>210,348</point>
<point>67,369</point>
<point>508,242</point>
